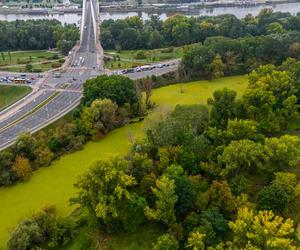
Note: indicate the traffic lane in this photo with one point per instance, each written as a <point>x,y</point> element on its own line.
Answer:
<point>155,71</point>
<point>26,109</point>
<point>42,116</point>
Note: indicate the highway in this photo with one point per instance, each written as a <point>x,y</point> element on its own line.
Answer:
<point>54,95</point>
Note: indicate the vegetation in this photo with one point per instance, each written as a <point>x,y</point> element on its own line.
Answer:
<point>73,164</point>
<point>29,61</point>
<point>37,35</point>
<point>10,94</point>
<point>221,174</point>
<point>178,30</point>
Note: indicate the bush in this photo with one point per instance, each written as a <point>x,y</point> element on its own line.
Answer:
<point>140,55</point>
<point>56,65</point>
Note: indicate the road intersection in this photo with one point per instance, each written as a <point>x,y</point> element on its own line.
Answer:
<point>56,94</point>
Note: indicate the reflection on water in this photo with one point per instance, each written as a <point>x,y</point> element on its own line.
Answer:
<point>240,12</point>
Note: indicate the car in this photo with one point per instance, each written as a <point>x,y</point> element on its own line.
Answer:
<point>32,78</point>
<point>159,66</point>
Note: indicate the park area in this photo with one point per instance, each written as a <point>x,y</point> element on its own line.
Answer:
<point>54,184</point>
<point>131,58</point>
<point>10,94</point>
<point>30,61</point>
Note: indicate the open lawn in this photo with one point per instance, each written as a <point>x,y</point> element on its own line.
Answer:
<point>54,184</point>
<point>196,92</point>
<point>133,58</point>
<point>41,60</point>
<point>10,94</point>
<point>121,64</point>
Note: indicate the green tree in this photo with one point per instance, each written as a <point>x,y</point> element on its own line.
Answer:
<point>217,67</point>
<point>104,189</point>
<point>25,236</point>
<point>273,197</point>
<point>223,107</point>
<point>195,241</point>
<point>29,67</point>
<point>121,90</point>
<point>166,199</point>
<point>166,242</point>
<point>263,230</point>
<point>243,155</point>
<point>99,118</point>
<point>282,153</point>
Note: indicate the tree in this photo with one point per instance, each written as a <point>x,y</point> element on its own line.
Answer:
<point>282,153</point>
<point>273,197</point>
<point>25,146</point>
<point>132,214</point>
<point>104,189</point>
<point>29,67</point>
<point>243,129</point>
<point>196,61</point>
<point>118,89</point>
<point>195,241</point>
<point>26,236</point>
<point>217,67</point>
<point>99,118</point>
<point>263,230</point>
<point>223,107</point>
<point>6,160</point>
<point>275,28</point>
<point>288,181</point>
<point>220,196</point>
<point>166,242</point>
<point>166,199</point>
<point>243,155</point>
<point>294,50</point>
<point>22,168</point>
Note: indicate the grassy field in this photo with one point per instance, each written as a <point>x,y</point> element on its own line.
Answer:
<point>121,64</point>
<point>10,94</point>
<point>54,185</point>
<point>16,61</point>
<point>129,58</point>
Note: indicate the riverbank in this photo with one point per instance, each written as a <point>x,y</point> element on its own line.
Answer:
<point>190,8</point>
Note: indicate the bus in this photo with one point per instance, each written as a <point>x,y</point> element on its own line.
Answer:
<point>20,81</point>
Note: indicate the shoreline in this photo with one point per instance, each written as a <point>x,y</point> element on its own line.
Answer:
<point>155,9</point>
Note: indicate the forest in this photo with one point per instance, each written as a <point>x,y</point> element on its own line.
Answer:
<point>37,35</point>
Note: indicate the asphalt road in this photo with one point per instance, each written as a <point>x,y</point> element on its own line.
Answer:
<point>56,96</point>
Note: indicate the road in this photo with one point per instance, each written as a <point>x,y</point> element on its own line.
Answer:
<point>52,96</point>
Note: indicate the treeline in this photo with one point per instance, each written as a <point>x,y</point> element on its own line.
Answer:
<point>37,34</point>
<point>217,177</point>
<point>108,102</point>
<point>219,56</point>
<point>133,33</point>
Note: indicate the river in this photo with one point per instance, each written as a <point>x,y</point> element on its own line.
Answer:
<point>240,12</point>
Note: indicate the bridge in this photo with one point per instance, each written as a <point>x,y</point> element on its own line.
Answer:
<point>52,97</point>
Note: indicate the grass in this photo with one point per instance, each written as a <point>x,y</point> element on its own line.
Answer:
<point>129,59</point>
<point>41,60</point>
<point>142,238</point>
<point>196,92</point>
<point>10,94</point>
<point>54,185</point>
<point>121,64</point>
